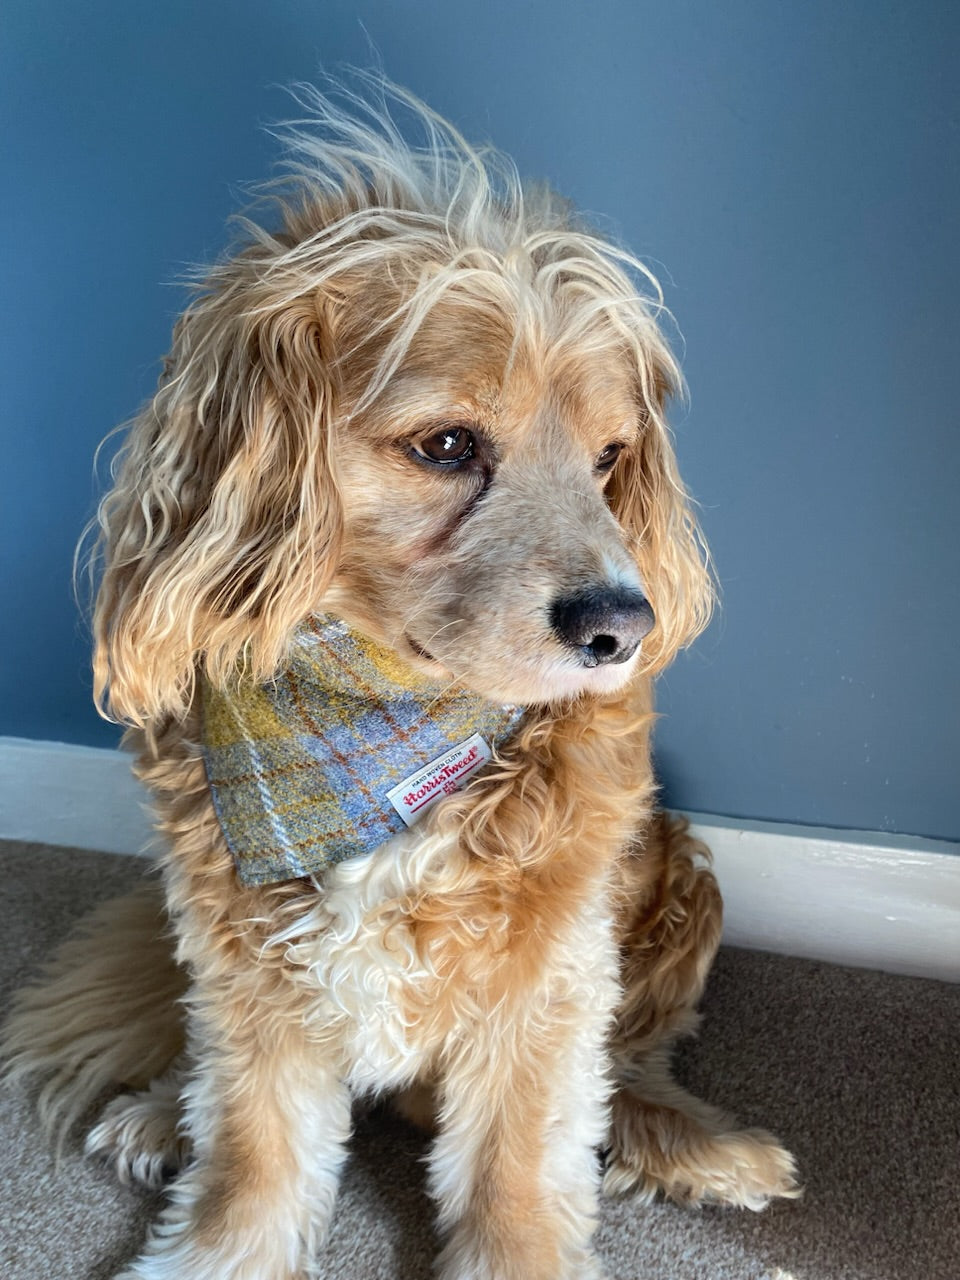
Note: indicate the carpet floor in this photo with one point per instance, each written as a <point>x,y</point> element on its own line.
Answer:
<point>857,1072</point>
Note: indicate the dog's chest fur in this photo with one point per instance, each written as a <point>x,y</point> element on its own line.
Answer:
<point>390,994</point>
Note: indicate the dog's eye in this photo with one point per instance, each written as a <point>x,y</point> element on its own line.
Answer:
<point>448,445</point>
<point>608,456</point>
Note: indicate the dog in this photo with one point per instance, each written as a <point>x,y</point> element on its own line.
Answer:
<point>413,435</point>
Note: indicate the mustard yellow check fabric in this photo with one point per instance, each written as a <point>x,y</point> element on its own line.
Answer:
<point>299,768</point>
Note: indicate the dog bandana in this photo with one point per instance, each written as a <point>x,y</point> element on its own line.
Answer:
<point>346,747</point>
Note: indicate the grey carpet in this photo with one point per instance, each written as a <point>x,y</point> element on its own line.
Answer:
<point>858,1072</point>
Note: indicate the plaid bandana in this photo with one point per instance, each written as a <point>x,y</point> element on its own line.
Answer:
<point>344,749</point>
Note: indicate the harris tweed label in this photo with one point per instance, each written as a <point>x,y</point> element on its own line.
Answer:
<point>417,794</point>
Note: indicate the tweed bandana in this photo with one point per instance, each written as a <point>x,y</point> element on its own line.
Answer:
<point>300,768</point>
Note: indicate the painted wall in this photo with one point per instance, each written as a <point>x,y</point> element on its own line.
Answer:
<point>790,168</point>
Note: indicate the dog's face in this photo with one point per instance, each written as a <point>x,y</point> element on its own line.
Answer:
<point>479,541</point>
<point>442,422</point>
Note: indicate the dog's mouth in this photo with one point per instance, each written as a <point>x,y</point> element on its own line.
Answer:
<point>419,650</point>
<point>436,667</point>
<point>557,677</point>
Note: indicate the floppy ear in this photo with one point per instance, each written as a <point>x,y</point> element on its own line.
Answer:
<point>223,525</point>
<point>648,498</point>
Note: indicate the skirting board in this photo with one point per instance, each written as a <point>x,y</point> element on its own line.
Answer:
<point>867,899</point>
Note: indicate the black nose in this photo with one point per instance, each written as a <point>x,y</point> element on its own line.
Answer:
<point>606,624</point>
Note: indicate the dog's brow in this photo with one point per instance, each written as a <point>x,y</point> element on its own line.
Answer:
<point>411,409</point>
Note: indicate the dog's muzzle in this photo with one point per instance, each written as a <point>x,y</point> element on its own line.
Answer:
<point>604,624</point>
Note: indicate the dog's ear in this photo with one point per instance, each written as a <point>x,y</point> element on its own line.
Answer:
<point>223,525</point>
<point>648,498</point>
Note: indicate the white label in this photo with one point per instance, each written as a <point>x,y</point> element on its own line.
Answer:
<point>416,795</point>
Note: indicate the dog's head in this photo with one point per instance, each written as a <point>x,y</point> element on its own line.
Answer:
<point>432,404</point>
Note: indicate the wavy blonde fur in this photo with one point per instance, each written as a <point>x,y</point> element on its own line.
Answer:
<point>517,966</point>
<point>224,524</point>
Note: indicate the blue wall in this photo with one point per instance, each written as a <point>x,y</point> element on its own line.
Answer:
<point>792,168</point>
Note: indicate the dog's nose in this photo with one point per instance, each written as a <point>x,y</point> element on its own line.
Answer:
<point>606,624</point>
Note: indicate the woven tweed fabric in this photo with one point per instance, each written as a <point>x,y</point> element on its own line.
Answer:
<point>299,769</point>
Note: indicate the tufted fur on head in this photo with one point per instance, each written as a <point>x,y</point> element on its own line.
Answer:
<point>431,403</point>
<point>225,525</point>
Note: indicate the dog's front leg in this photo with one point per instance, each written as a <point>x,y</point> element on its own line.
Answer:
<point>523,1109</point>
<point>268,1120</point>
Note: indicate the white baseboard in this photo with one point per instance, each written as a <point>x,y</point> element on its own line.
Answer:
<point>861,898</point>
<point>84,797</point>
<point>858,898</point>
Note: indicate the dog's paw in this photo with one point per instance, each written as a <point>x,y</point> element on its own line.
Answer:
<point>590,1269</point>
<point>138,1136</point>
<point>746,1167</point>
